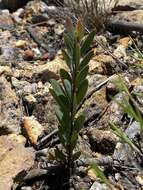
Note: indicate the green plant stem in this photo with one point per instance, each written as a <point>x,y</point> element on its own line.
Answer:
<point>70,151</point>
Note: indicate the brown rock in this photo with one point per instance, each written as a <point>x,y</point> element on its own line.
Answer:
<point>130,16</point>
<point>49,70</point>
<point>126,41</point>
<point>102,141</point>
<point>14,158</point>
<point>21,43</point>
<point>6,70</point>
<point>106,63</point>
<point>96,67</point>
<point>33,129</point>
<point>28,55</point>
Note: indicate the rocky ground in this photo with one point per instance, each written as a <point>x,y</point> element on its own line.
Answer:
<point>31,39</point>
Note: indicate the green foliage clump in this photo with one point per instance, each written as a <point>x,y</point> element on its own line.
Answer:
<point>72,89</point>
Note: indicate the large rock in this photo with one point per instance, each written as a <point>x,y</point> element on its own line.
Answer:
<point>102,141</point>
<point>10,112</point>
<point>134,3</point>
<point>14,158</point>
<point>6,22</point>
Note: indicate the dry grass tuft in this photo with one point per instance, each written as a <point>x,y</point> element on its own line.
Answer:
<point>94,13</point>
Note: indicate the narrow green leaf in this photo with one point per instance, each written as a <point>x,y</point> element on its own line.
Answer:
<point>63,118</point>
<point>67,58</point>
<point>59,115</point>
<point>61,100</point>
<point>122,135</point>
<point>68,88</point>
<point>76,54</point>
<point>65,75</point>
<point>79,122</point>
<point>74,139</point>
<point>82,89</point>
<point>86,59</point>
<point>120,84</point>
<point>82,74</point>
<point>87,43</point>
<point>68,42</point>
<point>57,87</point>
<point>65,126</point>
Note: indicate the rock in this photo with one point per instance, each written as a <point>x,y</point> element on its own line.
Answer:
<point>102,40</point>
<point>36,7</point>
<point>14,158</point>
<point>7,53</point>
<point>28,55</point>
<point>97,101</point>
<point>92,174</point>
<point>19,84</point>
<point>9,106</point>
<point>95,80</point>
<point>102,141</point>
<point>126,41</point>
<point>51,22</point>
<point>5,36</point>
<point>99,186</point>
<point>116,112</point>
<point>120,52</point>
<point>5,12</point>
<point>106,61</point>
<point>123,152</point>
<point>112,87</point>
<point>84,147</point>
<point>139,91</point>
<point>132,3</point>
<point>18,14</point>
<point>17,138</point>
<point>6,22</point>
<point>21,43</point>
<point>49,70</point>
<point>111,91</point>
<point>30,100</point>
<point>139,178</point>
<point>26,188</point>
<point>59,29</point>
<point>133,130</point>
<point>135,16</point>
<point>43,106</point>
<point>6,70</point>
<point>37,52</point>
<point>81,184</point>
<point>96,67</point>
<point>104,58</point>
<point>33,129</point>
<point>23,88</point>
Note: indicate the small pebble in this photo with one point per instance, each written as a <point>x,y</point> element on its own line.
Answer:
<point>28,55</point>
